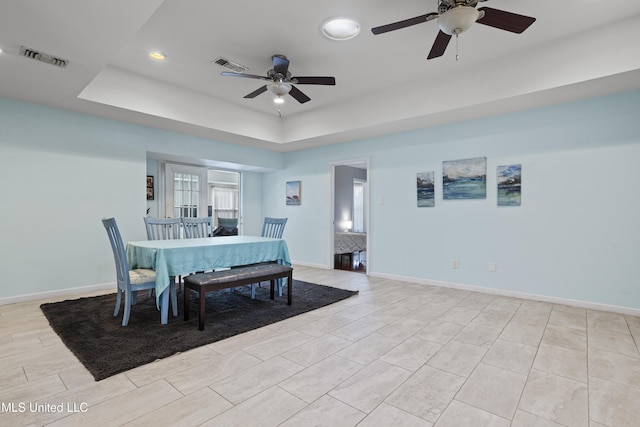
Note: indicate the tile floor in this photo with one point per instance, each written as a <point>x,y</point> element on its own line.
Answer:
<point>397,354</point>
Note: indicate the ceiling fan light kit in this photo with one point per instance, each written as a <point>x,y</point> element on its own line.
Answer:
<point>279,88</point>
<point>458,20</point>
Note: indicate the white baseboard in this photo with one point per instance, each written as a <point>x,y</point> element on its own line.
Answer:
<point>522,295</point>
<point>410,279</point>
<point>310,264</point>
<point>58,293</point>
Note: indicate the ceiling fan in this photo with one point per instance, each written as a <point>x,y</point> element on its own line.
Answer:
<point>456,16</point>
<point>281,82</point>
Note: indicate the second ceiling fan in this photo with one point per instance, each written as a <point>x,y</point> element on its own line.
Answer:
<point>456,16</point>
<point>281,82</point>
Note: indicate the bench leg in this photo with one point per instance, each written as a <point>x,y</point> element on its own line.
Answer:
<point>201,315</point>
<point>185,305</point>
<point>289,287</point>
<point>273,285</point>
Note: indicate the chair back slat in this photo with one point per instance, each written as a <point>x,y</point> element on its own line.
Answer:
<point>273,227</point>
<point>162,228</point>
<point>197,227</point>
<point>119,253</point>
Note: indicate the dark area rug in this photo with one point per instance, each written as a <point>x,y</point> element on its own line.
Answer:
<point>98,339</point>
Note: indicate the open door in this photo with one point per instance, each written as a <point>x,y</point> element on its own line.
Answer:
<point>349,240</point>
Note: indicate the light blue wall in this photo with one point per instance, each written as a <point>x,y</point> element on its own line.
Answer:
<point>576,235</point>
<point>61,172</point>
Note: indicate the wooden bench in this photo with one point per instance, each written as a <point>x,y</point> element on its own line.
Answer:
<point>216,280</point>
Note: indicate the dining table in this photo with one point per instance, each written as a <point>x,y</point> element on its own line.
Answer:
<point>180,257</point>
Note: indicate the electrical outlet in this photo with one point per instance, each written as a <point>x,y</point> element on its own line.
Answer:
<point>492,267</point>
<point>455,264</point>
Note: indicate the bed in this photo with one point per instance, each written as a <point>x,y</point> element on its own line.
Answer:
<point>349,250</point>
<point>348,243</point>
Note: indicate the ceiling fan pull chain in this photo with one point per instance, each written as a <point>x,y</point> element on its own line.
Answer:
<point>457,34</point>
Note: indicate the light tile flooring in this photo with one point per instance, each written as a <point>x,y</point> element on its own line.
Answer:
<point>397,354</point>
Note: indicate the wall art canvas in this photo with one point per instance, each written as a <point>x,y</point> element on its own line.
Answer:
<point>293,193</point>
<point>464,179</point>
<point>425,189</point>
<point>509,179</point>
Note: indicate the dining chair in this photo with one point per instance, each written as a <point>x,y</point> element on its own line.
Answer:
<point>197,227</point>
<point>162,228</point>
<point>130,281</point>
<point>273,227</point>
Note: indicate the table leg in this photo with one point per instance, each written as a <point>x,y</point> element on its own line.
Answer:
<point>164,306</point>
<point>201,316</point>
<point>185,298</point>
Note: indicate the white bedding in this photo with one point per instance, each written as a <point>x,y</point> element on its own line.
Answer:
<point>346,243</point>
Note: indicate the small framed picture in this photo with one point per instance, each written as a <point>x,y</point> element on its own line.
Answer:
<point>425,189</point>
<point>293,193</point>
<point>509,182</point>
<point>150,193</point>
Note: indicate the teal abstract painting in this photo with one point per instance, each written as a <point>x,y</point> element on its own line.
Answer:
<point>464,179</point>
<point>509,185</point>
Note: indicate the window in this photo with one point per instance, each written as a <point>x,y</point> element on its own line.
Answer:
<point>224,200</point>
<point>358,205</point>
<point>186,195</point>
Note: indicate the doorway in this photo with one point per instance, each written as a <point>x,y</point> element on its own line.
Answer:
<point>349,236</point>
<point>193,191</point>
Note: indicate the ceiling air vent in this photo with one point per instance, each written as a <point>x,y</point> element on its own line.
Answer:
<point>43,57</point>
<point>229,65</point>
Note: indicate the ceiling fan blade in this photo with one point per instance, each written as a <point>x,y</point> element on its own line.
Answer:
<point>503,20</point>
<point>280,65</point>
<point>315,80</point>
<point>440,45</point>
<point>246,76</point>
<point>403,24</point>
<point>257,92</point>
<point>299,95</point>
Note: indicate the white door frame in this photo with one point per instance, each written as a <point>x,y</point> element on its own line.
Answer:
<point>332,196</point>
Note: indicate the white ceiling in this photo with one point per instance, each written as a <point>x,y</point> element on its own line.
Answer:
<point>576,49</point>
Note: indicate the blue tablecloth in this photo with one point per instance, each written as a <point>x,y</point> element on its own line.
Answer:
<point>185,256</point>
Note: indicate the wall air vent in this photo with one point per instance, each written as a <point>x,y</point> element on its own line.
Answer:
<point>43,57</point>
<point>229,65</point>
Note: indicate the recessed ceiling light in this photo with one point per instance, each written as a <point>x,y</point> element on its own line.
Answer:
<point>158,56</point>
<point>340,29</point>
